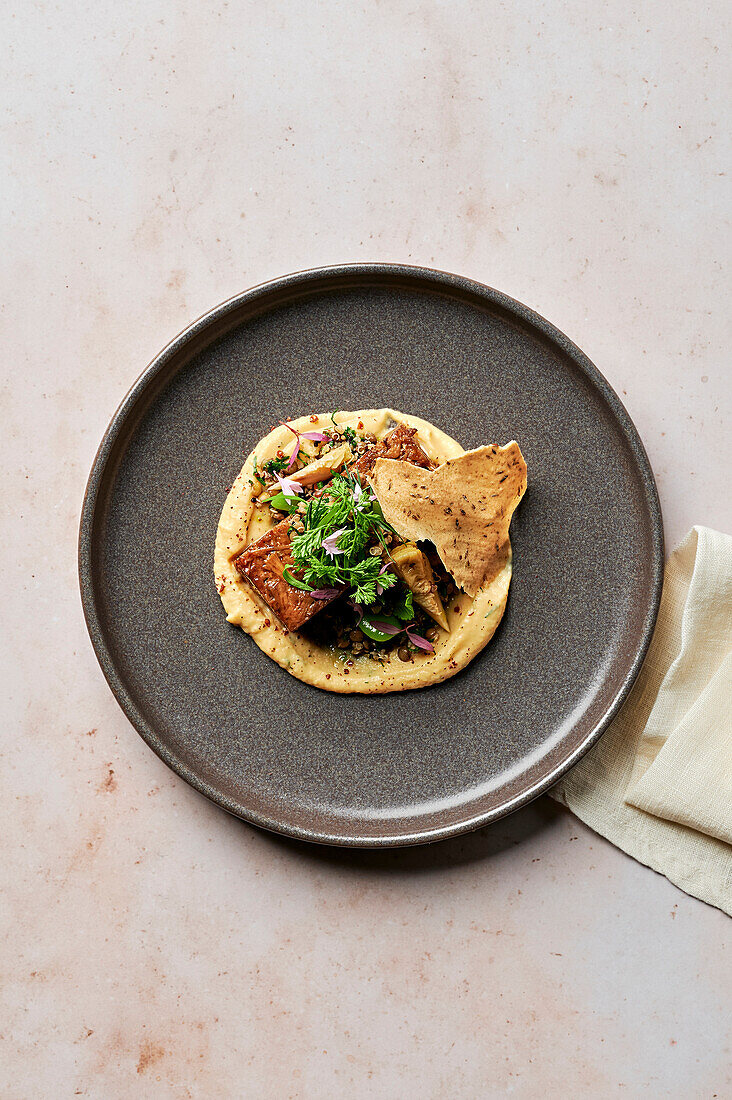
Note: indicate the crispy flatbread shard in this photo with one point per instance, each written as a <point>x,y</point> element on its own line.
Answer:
<point>464,507</point>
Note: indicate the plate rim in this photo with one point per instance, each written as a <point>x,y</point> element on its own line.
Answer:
<point>101,469</point>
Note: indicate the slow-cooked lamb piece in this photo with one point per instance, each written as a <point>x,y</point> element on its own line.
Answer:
<point>262,563</point>
<point>400,444</point>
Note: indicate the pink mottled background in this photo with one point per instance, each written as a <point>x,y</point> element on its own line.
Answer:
<point>159,158</point>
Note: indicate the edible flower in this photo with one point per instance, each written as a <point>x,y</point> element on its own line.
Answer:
<point>357,607</point>
<point>325,593</point>
<point>419,641</point>
<point>288,486</point>
<point>317,437</point>
<point>293,458</point>
<point>380,587</point>
<point>330,544</point>
<point>386,628</point>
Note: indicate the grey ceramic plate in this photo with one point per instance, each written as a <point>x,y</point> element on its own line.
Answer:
<point>402,768</point>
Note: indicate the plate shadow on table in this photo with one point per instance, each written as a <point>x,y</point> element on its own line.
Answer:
<point>491,842</point>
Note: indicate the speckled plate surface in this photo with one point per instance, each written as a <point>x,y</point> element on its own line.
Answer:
<point>402,768</point>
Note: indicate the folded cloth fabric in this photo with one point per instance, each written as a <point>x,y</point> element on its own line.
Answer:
<point>659,782</point>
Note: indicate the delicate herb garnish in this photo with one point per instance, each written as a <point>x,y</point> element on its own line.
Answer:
<point>274,466</point>
<point>404,609</point>
<point>282,502</point>
<point>332,548</point>
<point>256,470</point>
<point>350,436</point>
<point>294,581</point>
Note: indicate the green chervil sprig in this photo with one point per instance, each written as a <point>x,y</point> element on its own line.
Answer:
<point>349,517</point>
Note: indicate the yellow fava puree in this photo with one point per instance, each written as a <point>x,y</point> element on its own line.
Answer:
<point>472,621</point>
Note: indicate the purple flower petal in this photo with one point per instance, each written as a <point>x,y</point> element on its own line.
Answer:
<point>387,628</point>
<point>379,587</point>
<point>330,544</point>
<point>357,491</point>
<point>325,593</point>
<point>288,486</point>
<point>317,436</point>
<point>420,642</point>
<point>293,457</point>
<point>356,607</point>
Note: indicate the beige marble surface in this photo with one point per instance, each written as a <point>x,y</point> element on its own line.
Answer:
<point>159,158</point>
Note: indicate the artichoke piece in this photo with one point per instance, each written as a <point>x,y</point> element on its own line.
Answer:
<point>323,468</point>
<point>413,567</point>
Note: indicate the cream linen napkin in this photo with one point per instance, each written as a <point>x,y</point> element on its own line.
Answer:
<point>659,782</point>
